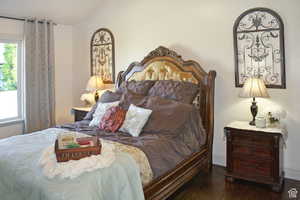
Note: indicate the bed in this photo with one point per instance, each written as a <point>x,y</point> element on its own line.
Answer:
<point>157,60</point>
<point>174,156</point>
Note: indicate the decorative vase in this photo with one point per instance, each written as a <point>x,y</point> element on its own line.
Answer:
<point>274,124</point>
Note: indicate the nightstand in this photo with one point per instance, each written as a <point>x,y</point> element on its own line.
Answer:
<point>255,154</point>
<point>80,112</point>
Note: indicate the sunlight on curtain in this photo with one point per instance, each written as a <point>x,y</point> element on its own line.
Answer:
<point>39,75</point>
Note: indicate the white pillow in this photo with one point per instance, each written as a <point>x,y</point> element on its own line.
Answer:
<point>100,111</point>
<point>135,120</point>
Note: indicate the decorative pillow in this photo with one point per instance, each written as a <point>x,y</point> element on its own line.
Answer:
<point>139,87</point>
<point>112,119</point>
<point>89,115</point>
<point>184,92</point>
<point>129,98</point>
<point>107,96</point>
<point>135,120</point>
<point>100,111</point>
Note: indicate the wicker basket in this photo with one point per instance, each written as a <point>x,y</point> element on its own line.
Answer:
<point>64,155</point>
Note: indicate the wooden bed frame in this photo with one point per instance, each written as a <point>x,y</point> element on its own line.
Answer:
<point>164,186</point>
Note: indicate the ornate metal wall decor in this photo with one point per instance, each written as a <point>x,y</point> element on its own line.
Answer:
<point>259,47</point>
<point>103,55</point>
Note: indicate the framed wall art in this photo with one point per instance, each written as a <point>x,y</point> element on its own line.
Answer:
<point>259,47</point>
<point>103,55</point>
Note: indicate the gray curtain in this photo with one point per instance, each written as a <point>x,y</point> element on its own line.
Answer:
<point>39,75</point>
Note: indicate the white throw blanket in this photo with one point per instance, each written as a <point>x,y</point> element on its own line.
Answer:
<point>22,177</point>
<point>75,168</point>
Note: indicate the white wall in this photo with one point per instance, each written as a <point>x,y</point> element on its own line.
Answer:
<point>63,72</point>
<point>199,30</point>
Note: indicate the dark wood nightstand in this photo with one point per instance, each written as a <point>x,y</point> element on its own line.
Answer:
<point>255,154</point>
<point>80,112</point>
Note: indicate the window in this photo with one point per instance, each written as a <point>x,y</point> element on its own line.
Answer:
<point>11,104</point>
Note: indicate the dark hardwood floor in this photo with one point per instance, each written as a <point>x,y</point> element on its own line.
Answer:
<point>214,187</point>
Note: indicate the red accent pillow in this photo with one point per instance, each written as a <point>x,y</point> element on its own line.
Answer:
<point>113,119</point>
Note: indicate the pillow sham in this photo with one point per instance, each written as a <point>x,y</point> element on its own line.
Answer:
<point>107,96</point>
<point>112,119</point>
<point>184,92</point>
<point>100,111</point>
<point>167,115</point>
<point>89,115</point>
<point>139,87</point>
<point>135,120</point>
<point>129,98</point>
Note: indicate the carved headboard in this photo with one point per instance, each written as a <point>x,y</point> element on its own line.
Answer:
<point>165,64</point>
<point>163,70</point>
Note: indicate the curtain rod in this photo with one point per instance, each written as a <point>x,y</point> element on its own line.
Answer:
<point>20,19</point>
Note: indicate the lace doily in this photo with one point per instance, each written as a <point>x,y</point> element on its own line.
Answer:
<point>74,168</point>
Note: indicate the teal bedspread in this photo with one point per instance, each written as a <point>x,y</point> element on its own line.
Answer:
<point>21,177</point>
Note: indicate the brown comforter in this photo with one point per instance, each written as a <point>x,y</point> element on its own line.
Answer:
<point>172,134</point>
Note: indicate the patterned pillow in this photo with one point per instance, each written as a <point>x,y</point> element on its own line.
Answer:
<point>100,111</point>
<point>135,120</point>
<point>106,97</point>
<point>184,92</point>
<point>112,119</point>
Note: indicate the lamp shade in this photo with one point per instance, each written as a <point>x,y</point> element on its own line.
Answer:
<point>254,87</point>
<point>95,83</point>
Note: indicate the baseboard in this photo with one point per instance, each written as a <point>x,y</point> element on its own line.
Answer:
<point>288,173</point>
<point>219,160</point>
<point>292,173</point>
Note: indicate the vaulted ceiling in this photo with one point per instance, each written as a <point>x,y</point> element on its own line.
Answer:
<point>61,11</point>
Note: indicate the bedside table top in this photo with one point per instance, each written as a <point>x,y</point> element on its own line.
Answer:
<point>87,109</point>
<point>244,125</point>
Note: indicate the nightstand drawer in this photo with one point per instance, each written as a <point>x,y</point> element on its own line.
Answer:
<point>244,138</point>
<point>254,151</point>
<point>246,167</point>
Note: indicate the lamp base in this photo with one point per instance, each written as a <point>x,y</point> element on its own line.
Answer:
<point>252,123</point>
<point>96,96</point>
<point>254,110</point>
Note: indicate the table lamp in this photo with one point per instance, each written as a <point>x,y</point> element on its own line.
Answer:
<point>94,84</point>
<point>254,87</point>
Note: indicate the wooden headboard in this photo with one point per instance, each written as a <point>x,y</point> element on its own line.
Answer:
<point>165,64</point>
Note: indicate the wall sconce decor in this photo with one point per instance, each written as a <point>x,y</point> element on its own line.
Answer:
<point>103,55</point>
<point>259,47</point>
